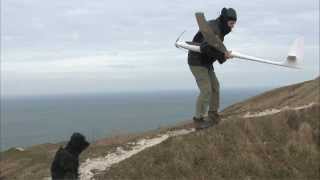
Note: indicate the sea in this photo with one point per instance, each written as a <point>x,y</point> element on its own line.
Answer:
<point>26,121</point>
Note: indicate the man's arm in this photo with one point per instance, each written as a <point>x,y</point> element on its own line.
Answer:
<point>213,52</point>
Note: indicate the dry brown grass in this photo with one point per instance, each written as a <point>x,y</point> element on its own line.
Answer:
<point>281,146</point>
<point>35,161</point>
<point>254,148</point>
<point>293,96</point>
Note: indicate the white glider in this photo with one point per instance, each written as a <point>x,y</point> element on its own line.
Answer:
<point>292,60</point>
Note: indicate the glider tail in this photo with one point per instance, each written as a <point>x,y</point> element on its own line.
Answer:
<point>295,54</point>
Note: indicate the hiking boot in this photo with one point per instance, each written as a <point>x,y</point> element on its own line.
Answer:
<point>214,117</point>
<point>198,120</point>
<point>209,123</point>
<point>205,125</point>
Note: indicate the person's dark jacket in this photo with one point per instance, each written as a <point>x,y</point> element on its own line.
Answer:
<point>208,53</point>
<point>66,161</point>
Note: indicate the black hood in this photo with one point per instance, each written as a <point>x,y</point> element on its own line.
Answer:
<point>77,144</point>
<point>226,15</point>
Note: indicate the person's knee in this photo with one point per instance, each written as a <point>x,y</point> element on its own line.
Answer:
<point>205,93</point>
<point>214,83</point>
<point>215,89</point>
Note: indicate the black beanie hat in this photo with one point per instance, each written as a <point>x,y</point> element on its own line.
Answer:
<point>228,14</point>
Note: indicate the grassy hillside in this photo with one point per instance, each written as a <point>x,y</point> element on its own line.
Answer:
<point>283,145</point>
<point>34,162</point>
<point>293,95</point>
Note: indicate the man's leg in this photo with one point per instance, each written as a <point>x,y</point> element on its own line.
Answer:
<point>214,101</point>
<point>202,78</point>
<point>213,116</point>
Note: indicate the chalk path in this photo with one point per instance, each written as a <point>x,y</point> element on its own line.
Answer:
<point>91,166</point>
<point>275,111</point>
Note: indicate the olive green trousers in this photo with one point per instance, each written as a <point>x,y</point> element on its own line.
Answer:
<point>209,88</point>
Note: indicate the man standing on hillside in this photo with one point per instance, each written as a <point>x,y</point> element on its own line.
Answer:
<point>201,66</point>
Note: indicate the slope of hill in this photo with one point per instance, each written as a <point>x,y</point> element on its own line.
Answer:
<point>292,96</point>
<point>280,140</point>
<point>274,135</point>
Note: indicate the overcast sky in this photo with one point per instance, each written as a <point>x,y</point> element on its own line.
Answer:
<point>81,46</point>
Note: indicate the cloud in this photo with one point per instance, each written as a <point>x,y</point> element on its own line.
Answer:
<point>77,12</point>
<point>133,41</point>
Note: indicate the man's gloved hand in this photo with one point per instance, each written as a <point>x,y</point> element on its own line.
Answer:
<point>227,55</point>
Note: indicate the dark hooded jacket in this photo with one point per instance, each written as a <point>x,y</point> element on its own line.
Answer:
<point>208,53</point>
<point>66,161</point>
